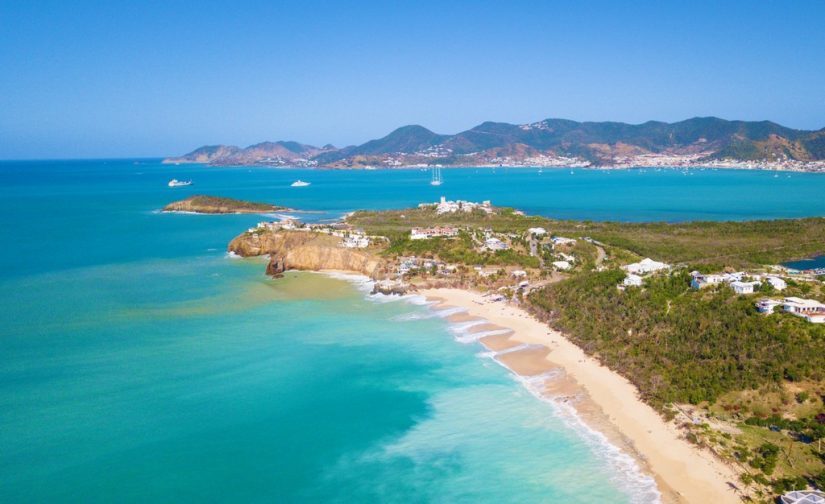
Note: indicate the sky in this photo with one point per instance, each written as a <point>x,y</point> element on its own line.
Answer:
<point>82,79</point>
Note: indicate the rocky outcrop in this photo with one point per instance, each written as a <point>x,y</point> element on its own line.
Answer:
<point>301,250</point>
<point>391,287</point>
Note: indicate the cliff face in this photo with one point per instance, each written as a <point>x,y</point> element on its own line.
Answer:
<point>306,251</point>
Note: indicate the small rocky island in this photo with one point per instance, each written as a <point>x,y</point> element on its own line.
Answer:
<point>217,205</point>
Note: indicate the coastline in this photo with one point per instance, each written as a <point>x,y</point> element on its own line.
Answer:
<point>603,399</point>
<point>737,166</point>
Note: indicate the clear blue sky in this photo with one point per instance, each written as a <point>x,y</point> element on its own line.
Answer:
<point>110,79</point>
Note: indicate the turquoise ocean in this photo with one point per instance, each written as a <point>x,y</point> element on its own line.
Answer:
<point>140,363</point>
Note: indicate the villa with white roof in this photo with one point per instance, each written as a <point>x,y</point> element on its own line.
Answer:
<point>646,265</point>
<point>810,309</point>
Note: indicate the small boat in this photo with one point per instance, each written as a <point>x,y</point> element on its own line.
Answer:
<point>436,181</point>
<point>299,183</point>
<point>179,183</point>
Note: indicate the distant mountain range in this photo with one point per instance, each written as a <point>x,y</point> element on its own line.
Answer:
<point>552,142</point>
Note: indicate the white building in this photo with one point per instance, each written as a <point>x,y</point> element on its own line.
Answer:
<point>356,241</point>
<point>767,305</point>
<point>562,265</point>
<point>646,265</point>
<point>809,309</point>
<point>495,244</point>
<point>538,231</point>
<point>744,287</point>
<point>777,283</point>
<point>700,281</point>
<point>519,273</point>
<point>560,240</point>
<point>434,232</point>
<point>632,280</point>
<point>444,206</point>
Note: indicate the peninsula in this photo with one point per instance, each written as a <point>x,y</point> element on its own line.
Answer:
<point>659,334</point>
<point>697,142</point>
<point>218,205</point>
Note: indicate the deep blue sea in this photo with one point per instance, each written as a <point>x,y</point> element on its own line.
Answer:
<point>139,363</point>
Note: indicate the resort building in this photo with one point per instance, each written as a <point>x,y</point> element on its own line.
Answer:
<point>767,306</point>
<point>434,232</point>
<point>356,241</point>
<point>777,283</point>
<point>803,497</point>
<point>562,265</point>
<point>632,280</point>
<point>560,240</point>
<point>700,281</point>
<point>809,309</point>
<point>495,244</point>
<point>538,231</point>
<point>645,266</point>
<point>737,281</point>
<point>445,206</point>
<point>744,287</point>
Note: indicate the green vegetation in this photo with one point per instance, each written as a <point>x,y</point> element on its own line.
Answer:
<point>681,345</point>
<point>715,244</point>
<point>216,204</point>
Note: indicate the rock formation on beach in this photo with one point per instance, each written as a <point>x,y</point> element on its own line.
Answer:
<point>306,251</point>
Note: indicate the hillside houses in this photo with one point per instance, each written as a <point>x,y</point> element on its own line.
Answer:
<point>444,206</point>
<point>810,309</point>
<point>433,232</point>
<point>740,282</point>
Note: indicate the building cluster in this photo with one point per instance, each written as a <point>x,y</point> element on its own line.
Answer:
<point>810,309</point>
<point>349,238</point>
<point>433,232</point>
<point>740,282</point>
<point>636,271</point>
<point>444,206</point>
<point>412,264</point>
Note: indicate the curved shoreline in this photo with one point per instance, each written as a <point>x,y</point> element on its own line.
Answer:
<point>603,399</point>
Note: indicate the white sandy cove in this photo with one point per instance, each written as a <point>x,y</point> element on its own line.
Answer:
<point>684,472</point>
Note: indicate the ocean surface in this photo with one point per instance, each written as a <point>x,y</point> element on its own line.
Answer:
<point>140,363</point>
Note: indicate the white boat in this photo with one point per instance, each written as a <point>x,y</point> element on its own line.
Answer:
<point>179,183</point>
<point>300,183</point>
<point>436,181</point>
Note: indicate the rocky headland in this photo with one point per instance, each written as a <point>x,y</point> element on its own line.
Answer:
<point>307,251</point>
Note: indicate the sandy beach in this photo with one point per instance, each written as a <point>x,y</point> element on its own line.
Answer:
<point>605,400</point>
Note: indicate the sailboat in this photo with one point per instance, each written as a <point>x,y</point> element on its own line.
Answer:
<point>436,181</point>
